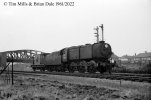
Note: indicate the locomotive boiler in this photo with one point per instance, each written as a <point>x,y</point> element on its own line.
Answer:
<point>84,58</point>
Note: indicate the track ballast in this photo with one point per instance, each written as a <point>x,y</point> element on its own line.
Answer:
<point>113,76</point>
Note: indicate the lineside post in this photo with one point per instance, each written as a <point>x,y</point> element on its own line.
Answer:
<point>12,72</point>
<point>97,34</point>
<point>102,32</point>
<point>9,75</point>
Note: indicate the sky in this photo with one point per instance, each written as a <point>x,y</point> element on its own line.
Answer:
<point>127,25</point>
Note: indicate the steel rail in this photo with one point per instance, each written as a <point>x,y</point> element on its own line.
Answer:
<point>113,76</point>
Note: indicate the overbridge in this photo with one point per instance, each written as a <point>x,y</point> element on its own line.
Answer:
<point>24,56</point>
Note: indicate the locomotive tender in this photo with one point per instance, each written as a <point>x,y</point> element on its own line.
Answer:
<point>85,58</point>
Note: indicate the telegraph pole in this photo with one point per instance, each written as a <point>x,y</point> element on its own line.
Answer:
<point>97,33</point>
<point>102,32</point>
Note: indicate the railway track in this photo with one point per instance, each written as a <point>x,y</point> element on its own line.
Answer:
<point>113,76</point>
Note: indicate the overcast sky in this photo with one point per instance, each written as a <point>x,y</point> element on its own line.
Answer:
<point>127,25</point>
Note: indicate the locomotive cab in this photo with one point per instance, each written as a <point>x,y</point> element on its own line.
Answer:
<point>64,54</point>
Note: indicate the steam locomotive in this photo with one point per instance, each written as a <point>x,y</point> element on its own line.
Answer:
<point>89,58</point>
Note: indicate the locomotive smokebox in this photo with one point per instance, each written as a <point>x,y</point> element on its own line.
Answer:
<point>101,50</point>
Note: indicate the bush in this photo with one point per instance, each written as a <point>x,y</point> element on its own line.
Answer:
<point>133,68</point>
<point>146,68</point>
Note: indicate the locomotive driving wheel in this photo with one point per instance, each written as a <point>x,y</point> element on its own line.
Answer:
<point>62,68</point>
<point>101,67</point>
<point>50,70</point>
<point>92,67</point>
<point>82,68</point>
<point>71,67</point>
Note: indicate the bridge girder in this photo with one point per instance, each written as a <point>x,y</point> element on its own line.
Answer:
<point>24,56</point>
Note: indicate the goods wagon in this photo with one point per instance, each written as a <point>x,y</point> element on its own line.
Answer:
<point>37,59</point>
<point>39,62</point>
